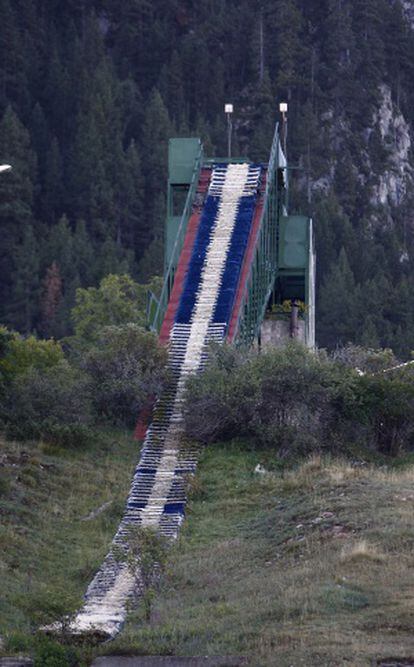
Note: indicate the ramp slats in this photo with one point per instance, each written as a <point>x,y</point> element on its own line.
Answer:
<point>199,311</point>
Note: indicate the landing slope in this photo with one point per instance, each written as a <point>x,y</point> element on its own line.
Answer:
<point>312,566</point>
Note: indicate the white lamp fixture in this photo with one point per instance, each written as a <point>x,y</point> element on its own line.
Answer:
<point>283,107</point>
<point>228,110</point>
<point>5,167</point>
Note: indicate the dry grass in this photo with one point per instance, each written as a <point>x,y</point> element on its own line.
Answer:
<point>309,567</point>
<point>360,551</point>
<point>340,472</point>
<point>48,553</point>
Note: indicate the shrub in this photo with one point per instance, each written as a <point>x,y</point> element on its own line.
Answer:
<point>296,400</point>
<point>367,360</point>
<point>125,367</point>
<point>148,554</point>
<point>18,354</point>
<point>117,300</point>
<point>51,404</point>
<point>49,653</point>
<point>385,404</point>
<point>283,397</point>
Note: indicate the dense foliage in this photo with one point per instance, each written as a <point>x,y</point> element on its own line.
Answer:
<point>91,91</point>
<point>103,376</point>
<point>125,367</point>
<point>295,401</point>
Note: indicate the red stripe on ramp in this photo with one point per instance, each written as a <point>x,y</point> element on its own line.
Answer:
<point>183,263</point>
<point>144,419</point>
<point>145,415</point>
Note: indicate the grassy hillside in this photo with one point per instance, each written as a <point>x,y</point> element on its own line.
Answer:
<point>50,540</point>
<point>311,566</point>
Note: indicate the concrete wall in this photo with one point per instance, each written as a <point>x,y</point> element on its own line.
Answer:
<point>276,333</point>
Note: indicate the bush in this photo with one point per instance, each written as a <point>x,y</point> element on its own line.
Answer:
<point>147,554</point>
<point>117,300</point>
<point>367,360</point>
<point>124,369</point>
<point>49,653</point>
<point>296,400</point>
<point>46,396</point>
<point>385,404</point>
<point>283,397</point>
<point>18,354</point>
<point>51,404</point>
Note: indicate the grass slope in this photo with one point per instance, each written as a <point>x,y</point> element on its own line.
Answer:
<point>311,566</point>
<point>48,551</point>
<point>305,566</point>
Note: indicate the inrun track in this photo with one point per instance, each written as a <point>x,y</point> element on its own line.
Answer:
<point>157,495</point>
<point>235,251</point>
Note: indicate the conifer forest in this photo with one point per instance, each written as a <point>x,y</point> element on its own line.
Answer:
<point>90,93</point>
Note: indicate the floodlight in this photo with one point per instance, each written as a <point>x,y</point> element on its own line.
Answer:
<point>228,108</point>
<point>283,107</point>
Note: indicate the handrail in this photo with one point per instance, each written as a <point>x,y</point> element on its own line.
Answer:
<point>156,323</point>
<point>152,301</point>
<point>248,325</point>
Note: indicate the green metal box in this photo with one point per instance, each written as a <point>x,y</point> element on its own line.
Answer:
<point>293,242</point>
<point>182,155</point>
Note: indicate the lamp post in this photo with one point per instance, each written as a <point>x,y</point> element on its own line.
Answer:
<point>5,167</point>
<point>283,108</point>
<point>228,110</point>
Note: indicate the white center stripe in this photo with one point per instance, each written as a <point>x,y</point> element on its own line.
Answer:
<point>211,274</point>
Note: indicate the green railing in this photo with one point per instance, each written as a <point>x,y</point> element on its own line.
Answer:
<point>156,308</point>
<point>262,275</point>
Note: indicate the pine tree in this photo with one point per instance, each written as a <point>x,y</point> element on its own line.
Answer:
<point>53,190</point>
<point>399,48</point>
<point>346,177</point>
<point>112,260</point>
<point>155,134</point>
<point>367,25</point>
<point>130,103</point>
<point>175,89</point>
<point>339,58</point>
<point>15,148</point>
<point>58,102</point>
<point>84,256</point>
<point>22,310</point>
<point>287,21</point>
<point>263,120</point>
<point>376,305</point>
<point>58,247</point>
<point>333,231</point>
<point>369,337</point>
<point>13,81</point>
<point>39,136</point>
<point>128,196</point>
<point>194,56</point>
<point>90,162</point>
<point>16,201</point>
<point>338,309</point>
<point>50,302</point>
